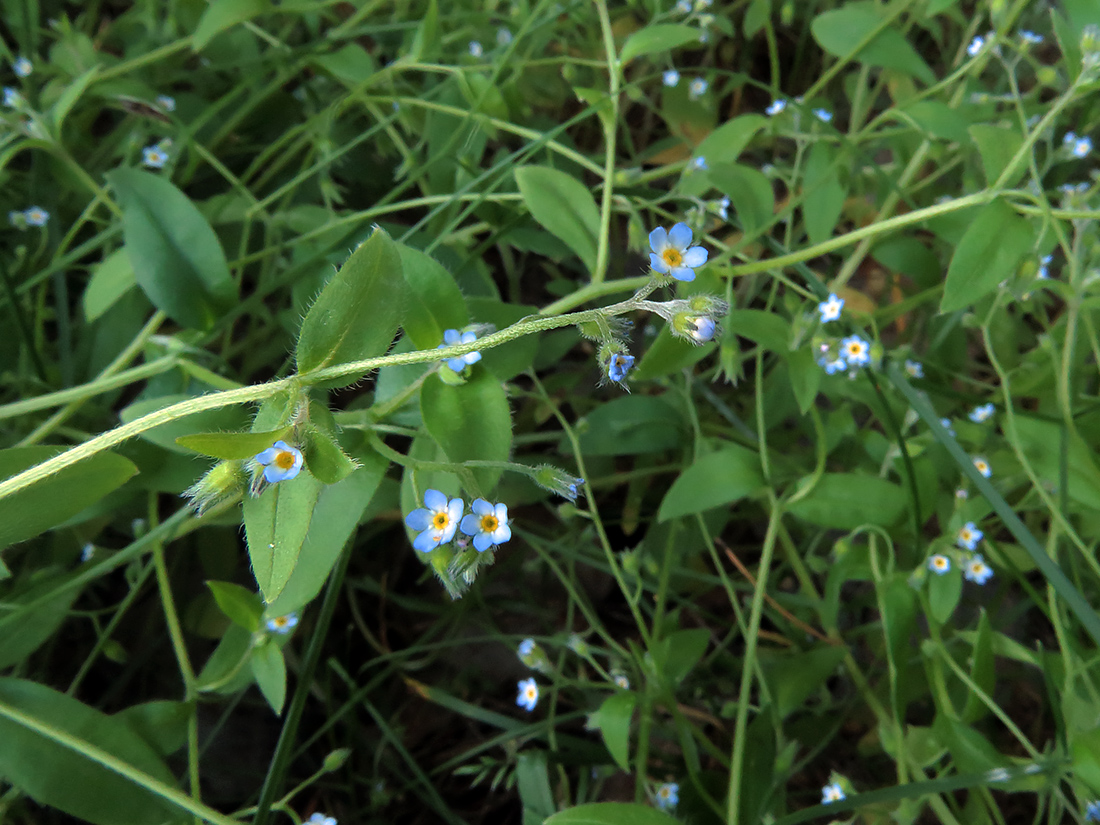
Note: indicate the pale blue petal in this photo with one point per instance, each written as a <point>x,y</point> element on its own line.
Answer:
<point>427,541</point>
<point>501,513</point>
<point>282,445</point>
<point>696,256</point>
<point>482,542</point>
<point>456,364</point>
<point>658,264</point>
<point>680,236</point>
<point>434,500</point>
<point>472,357</point>
<point>470,525</point>
<point>501,534</point>
<point>481,507</point>
<point>267,456</point>
<point>451,337</point>
<point>273,474</point>
<point>658,239</point>
<point>683,273</point>
<point>469,337</point>
<point>419,519</point>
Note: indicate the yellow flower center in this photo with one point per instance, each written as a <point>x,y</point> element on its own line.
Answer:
<point>940,562</point>
<point>529,692</point>
<point>855,348</point>
<point>981,465</point>
<point>284,459</point>
<point>279,621</point>
<point>489,523</point>
<point>439,520</point>
<point>672,256</point>
<point>664,793</point>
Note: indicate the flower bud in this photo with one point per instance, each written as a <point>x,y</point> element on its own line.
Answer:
<point>222,482</point>
<point>557,481</point>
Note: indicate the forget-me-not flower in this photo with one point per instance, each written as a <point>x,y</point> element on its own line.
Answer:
<point>699,163</point>
<point>1044,267</point>
<point>975,46</point>
<point>1030,38</point>
<point>87,551</point>
<point>12,98</point>
<point>683,6</point>
<point>167,103</point>
<point>830,308</point>
<point>452,337</point>
<point>528,694</point>
<point>668,795</point>
<point>320,819</point>
<point>702,329</point>
<point>1079,147</point>
<point>670,78</point>
<point>621,681</point>
<point>724,208</point>
<point>946,424</point>
<point>619,365</point>
<point>977,570</point>
<point>280,461</point>
<point>1092,812</point>
<point>939,564</point>
<point>526,647</point>
<point>832,365</point>
<point>982,466</point>
<point>698,88</point>
<point>36,216</point>
<point>777,106</point>
<point>824,115</point>
<point>22,66</point>
<point>982,413</point>
<point>914,369</point>
<point>488,524</point>
<point>856,351</point>
<point>969,536</point>
<point>154,157</point>
<point>673,254</point>
<point>437,520</point>
<point>504,36</point>
<point>832,793</point>
<point>475,49</point>
<point>282,624</point>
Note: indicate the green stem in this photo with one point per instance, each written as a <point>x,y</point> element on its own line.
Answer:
<point>610,121</point>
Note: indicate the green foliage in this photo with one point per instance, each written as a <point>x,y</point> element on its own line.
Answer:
<point>563,206</point>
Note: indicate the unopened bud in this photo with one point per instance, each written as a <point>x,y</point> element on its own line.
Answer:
<point>222,482</point>
<point>557,481</point>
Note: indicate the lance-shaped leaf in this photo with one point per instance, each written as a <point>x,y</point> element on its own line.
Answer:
<point>275,525</point>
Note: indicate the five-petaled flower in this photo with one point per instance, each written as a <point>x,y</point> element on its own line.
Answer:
<point>528,694</point>
<point>975,46</point>
<point>437,520</point>
<point>939,564</point>
<point>475,49</point>
<point>777,106</point>
<point>282,624</point>
<point>856,351</point>
<point>668,795</point>
<point>698,88</point>
<point>154,157</point>
<point>619,365</point>
<point>673,254</point>
<point>167,103</point>
<point>452,337</point>
<point>488,524</point>
<point>982,413</point>
<point>977,570</point>
<point>320,819</point>
<point>969,536</point>
<point>22,66</point>
<point>914,369</point>
<point>830,308</point>
<point>1079,147</point>
<point>670,78</point>
<point>832,793</point>
<point>982,466</point>
<point>12,98</point>
<point>824,115</point>
<point>36,216</point>
<point>832,365</point>
<point>281,462</point>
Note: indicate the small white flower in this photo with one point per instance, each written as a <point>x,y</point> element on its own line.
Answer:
<point>670,78</point>
<point>975,46</point>
<point>830,308</point>
<point>698,88</point>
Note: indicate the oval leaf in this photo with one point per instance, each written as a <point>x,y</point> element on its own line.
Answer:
<point>232,446</point>
<point>989,251</point>
<point>847,500</point>
<point>435,301</point>
<point>269,670</point>
<point>714,480</point>
<point>729,140</point>
<point>613,720</point>
<point>222,15</point>
<point>662,37</point>
<point>564,206</point>
<point>275,525</point>
<point>839,30</point>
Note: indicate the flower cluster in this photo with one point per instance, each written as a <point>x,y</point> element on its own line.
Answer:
<point>439,519</point>
<point>1079,147</point>
<point>31,216</point>
<point>451,337</point>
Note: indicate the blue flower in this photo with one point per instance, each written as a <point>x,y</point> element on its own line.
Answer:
<point>154,157</point>
<point>528,694</point>
<point>683,6</point>
<point>668,795</point>
<point>526,647</point>
<point>832,793</point>
<point>36,216</point>
<point>982,467</point>
<point>437,520</point>
<point>824,115</point>
<point>969,536</point>
<point>475,49</point>
<point>939,564</point>
<point>702,329</point>
<point>977,570</point>
<point>281,462</point>
<point>167,103</point>
<point>832,365</point>
<point>321,819</point>
<point>282,624</point>
<point>670,78</point>
<point>488,524</point>
<point>777,106</point>
<point>1030,38</point>
<point>504,36</point>
<point>856,351</point>
<point>914,369</point>
<point>724,208</point>
<point>1079,147</point>
<point>22,66</point>
<point>699,163</point>
<point>620,681</point>
<point>1092,812</point>
<point>619,365</point>
<point>12,98</point>
<point>975,46</point>
<point>830,308</point>
<point>452,337</point>
<point>982,413</point>
<point>1044,267</point>
<point>87,552</point>
<point>946,424</point>
<point>673,254</point>
<point>698,88</point>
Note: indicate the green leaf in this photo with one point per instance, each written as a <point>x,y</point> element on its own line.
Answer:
<point>981,670</point>
<point>1082,478</point>
<point>168,435</point>
<point>533,784</point>
<point>426,43</point>
<point>824,192</point>
<point>338,509</point>
<point>57,497</point>
<point>221,15</point>
<point>847,500</point>
<point>358,312</point>
<point>944,592</point>
<point>232,446</point>
<point>162,724</point>
<point>756,17</point>
<point>938,119</point>
<point>679,652</point>
<point>30,628</point>
<point>969,749</point>
<point>351,65</point>
<point>564,206</point>
<point>997,145</point>
<point>112,279</point>
<point>177,259</point>
<point>668,354</point>
<point>269,670</point>
<point>611,813</point>
<point>68,98</point>
<point>226,670</point>
<point>54,775</point>
<point>729,140</point>
<point>1086,758</point>
<point>765,328</point>
<point>989,252</point>
<point>805,377</point>
<point>243,607</point>
<point>750,194</point>
<point>794,677</point>
<point>323,456</point>
<point>436,303</point>
<point>661,37</point>
<point>518,356</point>
<point>837,31</point>
<point>275,523</point>
<point>631,425</point>
<point>613,722</point>
<point>714,480</point>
